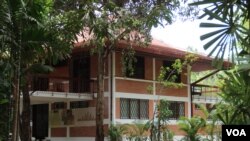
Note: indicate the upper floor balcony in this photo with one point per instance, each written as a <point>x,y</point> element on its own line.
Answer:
<point>63,87</point>
<point>205,93</point>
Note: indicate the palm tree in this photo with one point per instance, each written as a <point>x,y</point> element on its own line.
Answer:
<point>191,127</point>
<point>231,32</point>
<point>29,38</point>
<point>136,131</point>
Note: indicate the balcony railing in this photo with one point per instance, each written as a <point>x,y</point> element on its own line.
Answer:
<point>206,93</point>
<point>63,84</point>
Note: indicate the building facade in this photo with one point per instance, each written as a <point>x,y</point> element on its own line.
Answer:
<point>63,101</point>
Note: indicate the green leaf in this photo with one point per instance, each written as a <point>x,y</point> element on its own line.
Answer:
<point>212,25</point>
<point>203,2</point>
<point>214,15</point>
<point>208,35</point>
<point>244,66</point>
<point>40,68</point>
<point>211,42</point>
<point>3,101</point>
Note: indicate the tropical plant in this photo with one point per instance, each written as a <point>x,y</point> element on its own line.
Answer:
<point>5,93</point>
<point>29,38</point>
<point>158,126</point>
<point>135,131</point>
<point>115,133</point>
<point>213,126</point>
<point>191,126</point>
<point>231,31</point>
<point>4,102</point>
<point>235,88</point>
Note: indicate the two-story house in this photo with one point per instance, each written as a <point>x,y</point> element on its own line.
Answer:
<point>63,101</point>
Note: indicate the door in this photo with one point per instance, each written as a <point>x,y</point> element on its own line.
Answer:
<point>40,121</point>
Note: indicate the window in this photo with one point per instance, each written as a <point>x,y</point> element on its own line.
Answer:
<point>139,68</point>
<point>169,64</point>
<point>134,108</point>
<point>78,104</point>
<point>40,83</point>
<point>80,74</point>
<point>178,109</point>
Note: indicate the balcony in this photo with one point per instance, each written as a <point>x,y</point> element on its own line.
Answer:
<point>62,87</point>
<point>205,93</point>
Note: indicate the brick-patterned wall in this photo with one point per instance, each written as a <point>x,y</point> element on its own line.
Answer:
<point>151,109</point>
<point>59,132</point>
<point>60,72</point>
<point>85,131</point>
<point>178,92</point>
<point>198,112</point>
<point>130,86</point>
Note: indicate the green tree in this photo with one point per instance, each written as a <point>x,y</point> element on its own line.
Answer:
<point>158,127</point>
<point>107,22</point>
<point>167,78</point>
<point>29,37</point>
<point>4,101</point>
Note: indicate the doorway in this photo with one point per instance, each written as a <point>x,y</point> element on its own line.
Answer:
<point>40,121</point>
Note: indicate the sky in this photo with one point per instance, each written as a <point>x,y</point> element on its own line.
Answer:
<point>181,35</point>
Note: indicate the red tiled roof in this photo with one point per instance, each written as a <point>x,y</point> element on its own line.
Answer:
<point>163,50</point>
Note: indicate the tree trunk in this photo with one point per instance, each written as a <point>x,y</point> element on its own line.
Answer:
<point>25,131</point>
<point>15,106</point>
<point>100,97</point>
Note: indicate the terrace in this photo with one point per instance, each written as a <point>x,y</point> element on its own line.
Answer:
<point>54,89</point>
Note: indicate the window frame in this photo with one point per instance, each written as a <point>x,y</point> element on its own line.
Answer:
<point>139,110</point>
<point>176,113</point>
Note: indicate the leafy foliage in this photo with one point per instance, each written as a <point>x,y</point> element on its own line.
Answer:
<point>191,127</point>
<point>235,88</point>
<point>115,133</point>
<point>231,32</point>
<point>135,132</point>
<point>29,38</point>
<point>168,75</point>
<point>5,85</point>
<point>158,126</point>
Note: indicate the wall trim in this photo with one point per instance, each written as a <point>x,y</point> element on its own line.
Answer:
<point>149,97</point>
<point>86,124</point>
<point>143,121</point>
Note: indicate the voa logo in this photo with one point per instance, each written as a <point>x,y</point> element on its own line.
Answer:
<point>236,132</point>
